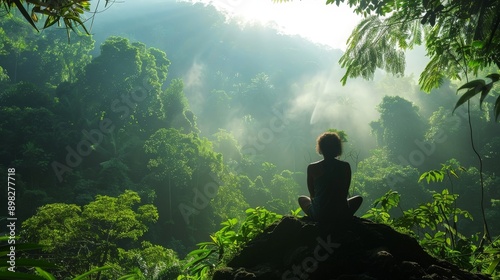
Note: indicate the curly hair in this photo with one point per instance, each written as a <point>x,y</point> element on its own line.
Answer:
<point>329,144</point>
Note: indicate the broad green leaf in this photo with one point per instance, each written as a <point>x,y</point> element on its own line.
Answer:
<point>202,271</point>
<point>199,259</point>
<point>493,265</point>
<point>439,176</point>
<point>44,274</point>
<point>473,84</point>
<point>492,250</point>
<point>367,215</point>
<point>494,77</point>
<point>199,252</point>
<point>484,92</point>
<point>466,96</point>
<point>423,176</point>
<point>51,20</point>
<point>204,244</point>
<point>214,239</point>
<point>92,271</point>
<point>433,175</point>
<point>478,44</point>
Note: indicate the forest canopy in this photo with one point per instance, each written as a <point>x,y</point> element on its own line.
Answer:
<point>159,149</point>
<point>460,37</point>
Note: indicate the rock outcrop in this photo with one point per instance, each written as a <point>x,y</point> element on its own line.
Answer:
<point>297,249</point>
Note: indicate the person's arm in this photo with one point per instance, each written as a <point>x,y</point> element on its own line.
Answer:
<point>310,181</point>
<point>347,178</point>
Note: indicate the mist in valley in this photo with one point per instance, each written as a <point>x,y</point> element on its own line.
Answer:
<point>205,115</point>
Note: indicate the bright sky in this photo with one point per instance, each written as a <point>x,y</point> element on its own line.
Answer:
<point>313,19</point>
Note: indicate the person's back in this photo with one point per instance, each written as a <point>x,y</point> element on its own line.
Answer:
<point>331,179</point>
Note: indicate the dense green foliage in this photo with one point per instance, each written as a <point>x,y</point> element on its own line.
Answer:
<point>67,12</point>
<point>227,241</point>
<point>461,39</point>
<point>86,237</point>
<point>130,155</point>
<point>435,226</point>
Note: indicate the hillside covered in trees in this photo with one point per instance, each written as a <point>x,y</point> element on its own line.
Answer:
<point>158,148</point>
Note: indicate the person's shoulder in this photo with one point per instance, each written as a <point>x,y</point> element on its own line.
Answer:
<point>343,163</point>
<point>316,162</point>
<point>314,165</point>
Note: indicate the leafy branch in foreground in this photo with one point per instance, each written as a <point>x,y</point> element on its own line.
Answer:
<point>10,267</point>
<point>226,242</point>
<point>474,87</point>
<point>459,36</point>
<point>37,267</point>
<point>68,12</point>
<point>480,86</point>
<point>434,224</point>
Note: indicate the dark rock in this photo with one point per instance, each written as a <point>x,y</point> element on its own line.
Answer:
<point>436,269</point>
<point>355,277</point>
<point>299,249</point>
<point>407,269</point>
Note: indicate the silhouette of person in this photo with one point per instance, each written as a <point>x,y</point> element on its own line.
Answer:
<point>328,182</point>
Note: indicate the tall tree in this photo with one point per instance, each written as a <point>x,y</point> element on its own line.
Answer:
<point>258,98</point>
<point>184,172</point>
<point>176,108</point>
<point>82,238</point>
<point>124,84</point>
<point>400,127</point>
<point>41,58</point>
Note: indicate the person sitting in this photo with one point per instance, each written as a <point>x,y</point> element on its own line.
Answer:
<point>328,182</point>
